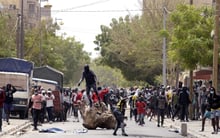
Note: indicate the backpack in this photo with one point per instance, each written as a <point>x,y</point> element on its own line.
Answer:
<point>161,102</point>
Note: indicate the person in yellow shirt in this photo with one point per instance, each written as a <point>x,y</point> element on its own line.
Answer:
<point>134,100</point>
<point>169,101</point>
<point>118,113</point>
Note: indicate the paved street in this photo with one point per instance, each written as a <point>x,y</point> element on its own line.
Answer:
<point>73,129</point>
<point>23,129</point>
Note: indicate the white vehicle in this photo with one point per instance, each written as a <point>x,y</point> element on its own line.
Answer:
<point>18,73</point>
<point>45,84</point>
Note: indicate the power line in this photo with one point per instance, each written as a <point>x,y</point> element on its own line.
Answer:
<point>119,10</point>
<point>97,11</point>
<point>100,11</point>
<point>86,5</point>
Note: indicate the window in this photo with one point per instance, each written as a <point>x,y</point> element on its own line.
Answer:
<point>31,8</point>
<point>12,6</point>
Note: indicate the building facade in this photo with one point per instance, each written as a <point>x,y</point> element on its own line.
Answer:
<point>33,12</point>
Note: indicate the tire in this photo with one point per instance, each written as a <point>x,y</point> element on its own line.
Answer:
<point>21,115</point>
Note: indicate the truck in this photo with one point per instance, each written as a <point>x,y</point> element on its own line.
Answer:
<point>49,73</point>
<point>50,78</point>
<point>44,83</point>
<point>18,72</point>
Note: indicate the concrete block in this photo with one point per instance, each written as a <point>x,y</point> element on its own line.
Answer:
<point>183,129</point>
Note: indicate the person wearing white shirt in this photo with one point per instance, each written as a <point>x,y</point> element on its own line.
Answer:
<point>49,105</point>
<point>66,103</point>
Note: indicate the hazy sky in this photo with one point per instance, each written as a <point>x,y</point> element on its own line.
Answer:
<point>82,18</point>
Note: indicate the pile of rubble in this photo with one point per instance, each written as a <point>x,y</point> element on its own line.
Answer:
<point>98,116</point>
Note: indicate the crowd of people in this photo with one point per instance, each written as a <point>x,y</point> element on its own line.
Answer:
<point>173,103</point>
<point>162,102</point>
<point>151,102</point>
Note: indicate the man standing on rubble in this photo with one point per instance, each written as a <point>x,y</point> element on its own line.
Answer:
<point>91,80</point>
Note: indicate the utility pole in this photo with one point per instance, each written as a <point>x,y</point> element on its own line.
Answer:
<point>18,35</point>
<point>164,48</point>
<point>40,42</point>
<point>216,47</point>
<point>191,92</point>
<point>22,31</point>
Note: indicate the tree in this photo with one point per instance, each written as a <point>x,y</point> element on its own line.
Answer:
<point>43,47</point>
<point>191,44</point>
<point>134,44</point>
<point>7,35</point>
<point>125,45</point>
<point>108,76</point>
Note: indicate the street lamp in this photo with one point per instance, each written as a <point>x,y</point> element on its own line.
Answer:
<point>56,23</point>
<point>59,19</point>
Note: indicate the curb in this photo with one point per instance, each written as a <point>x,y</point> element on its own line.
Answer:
<point>190,132</point>
<point>17,128</point>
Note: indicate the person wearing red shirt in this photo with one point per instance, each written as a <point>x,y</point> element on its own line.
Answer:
<point>76,101</point>
<point>141,109</point>
<point>95,98</point>
<point>36,99</point>
<point>2,99</point>
<point>102,94</point>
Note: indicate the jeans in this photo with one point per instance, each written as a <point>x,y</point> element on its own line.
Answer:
<point>88,88</point>
<point>7,109</point>
<point>160,116</point>
<point>36,115</point>
<point>120,121</point>
<point>141,118</point>
<point>184,112</point>
<point>50,113</point>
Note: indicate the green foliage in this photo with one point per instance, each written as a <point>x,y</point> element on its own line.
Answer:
<point>65,55</point>
<point>43,47</point>
<point>108,76</point>
<point>164,33</point>
<point>7,36</point>
<point>191,44</point>
<point>127,46</point>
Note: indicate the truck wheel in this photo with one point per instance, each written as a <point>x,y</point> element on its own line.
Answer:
<point>21,115</point>
<point>62,117</point>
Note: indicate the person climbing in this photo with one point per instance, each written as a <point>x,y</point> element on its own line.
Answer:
<point>91,81</point>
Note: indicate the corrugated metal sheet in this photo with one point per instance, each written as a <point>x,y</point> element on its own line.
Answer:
<point>16,65</point>
<point>49,73</point>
